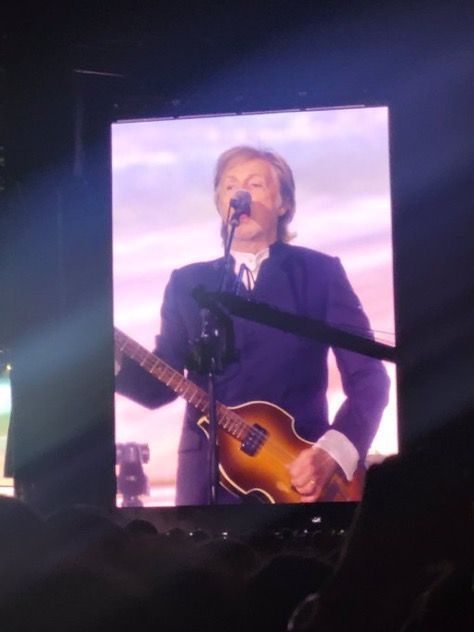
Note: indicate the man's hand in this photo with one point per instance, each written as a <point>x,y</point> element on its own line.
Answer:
<point>310,472</point>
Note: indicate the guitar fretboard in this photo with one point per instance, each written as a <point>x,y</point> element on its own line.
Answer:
<point>227,419</point>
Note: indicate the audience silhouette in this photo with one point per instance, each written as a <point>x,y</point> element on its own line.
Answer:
<point>404,566</point>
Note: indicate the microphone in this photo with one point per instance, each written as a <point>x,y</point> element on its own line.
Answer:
<point>240,202</point>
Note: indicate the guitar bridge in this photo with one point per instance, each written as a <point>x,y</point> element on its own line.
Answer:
<point>254,440</point>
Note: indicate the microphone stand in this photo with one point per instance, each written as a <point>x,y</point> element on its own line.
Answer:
<point>234,222</point>
<point>211,353</point>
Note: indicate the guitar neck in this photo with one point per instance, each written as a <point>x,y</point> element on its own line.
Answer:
<point>177,382</point>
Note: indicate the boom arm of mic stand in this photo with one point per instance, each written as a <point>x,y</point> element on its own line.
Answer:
<point>299,325</point>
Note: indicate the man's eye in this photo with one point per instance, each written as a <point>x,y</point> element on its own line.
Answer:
<point>256,185</point>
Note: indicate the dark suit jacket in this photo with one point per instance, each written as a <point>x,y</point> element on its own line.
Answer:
<point>273,366</point>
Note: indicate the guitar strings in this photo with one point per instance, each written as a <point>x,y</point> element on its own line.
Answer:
<point>273,450</point>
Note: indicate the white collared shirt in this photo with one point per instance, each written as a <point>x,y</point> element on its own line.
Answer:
<point>252,264</point>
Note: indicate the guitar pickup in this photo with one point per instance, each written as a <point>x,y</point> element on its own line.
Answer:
<point>254,440</point>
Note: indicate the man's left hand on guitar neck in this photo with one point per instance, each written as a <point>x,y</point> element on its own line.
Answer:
<point>311,471</point>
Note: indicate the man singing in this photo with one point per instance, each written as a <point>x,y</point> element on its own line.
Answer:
<point>281,368</point>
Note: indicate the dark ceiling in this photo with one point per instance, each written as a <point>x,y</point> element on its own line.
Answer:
<point>183,48</point>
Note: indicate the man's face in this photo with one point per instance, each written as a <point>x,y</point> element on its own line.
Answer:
<point>259,178</point>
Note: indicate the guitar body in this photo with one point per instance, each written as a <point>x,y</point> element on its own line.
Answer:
<point>265,473</point>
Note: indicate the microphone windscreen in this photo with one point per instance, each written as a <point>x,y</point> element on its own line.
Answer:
<point>241,201</point>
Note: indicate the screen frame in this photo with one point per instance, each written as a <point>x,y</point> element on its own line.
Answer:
<point>169,110</point>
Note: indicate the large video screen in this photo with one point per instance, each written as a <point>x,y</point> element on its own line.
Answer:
<point>165,218</point>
